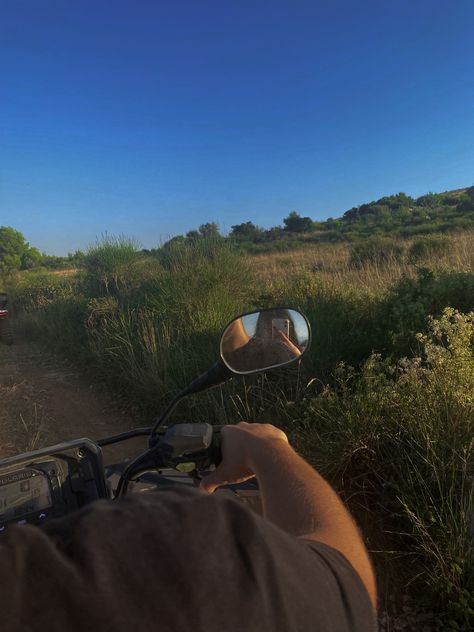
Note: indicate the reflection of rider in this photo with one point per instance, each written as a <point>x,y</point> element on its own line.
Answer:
<point>268,347</point>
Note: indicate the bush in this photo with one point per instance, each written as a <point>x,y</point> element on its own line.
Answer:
<point>343,320</point>
<point>109,264</point>
<point>37,289</point>
<point>405,309</point>
<point>425,247</point>
<point>268,247</point>
<point>375,250</point>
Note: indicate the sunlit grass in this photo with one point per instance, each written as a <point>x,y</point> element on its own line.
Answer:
<point>331,262</point>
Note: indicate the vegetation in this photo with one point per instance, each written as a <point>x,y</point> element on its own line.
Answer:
<point>392,216</point>
<point>383,405</point>
<point>16,254</point>
<point>402,433</point>
<point>387,219</point>
<point>383,221</point>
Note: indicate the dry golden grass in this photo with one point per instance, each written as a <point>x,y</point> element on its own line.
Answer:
<point>330,262</point>
<point>65,273</point>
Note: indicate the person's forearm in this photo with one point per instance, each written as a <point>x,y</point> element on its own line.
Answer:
<point>298,500</point>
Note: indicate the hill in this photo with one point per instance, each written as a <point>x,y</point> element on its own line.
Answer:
<point>405,216</point>
<point>398,215</point>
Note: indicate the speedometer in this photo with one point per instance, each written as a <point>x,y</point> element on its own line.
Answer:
<point>22,493</point>
<point>50,482</point>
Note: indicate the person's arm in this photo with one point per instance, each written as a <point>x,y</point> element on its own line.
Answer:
<point>295,497</point>
<point>283,338</point>
<point>235,336</point>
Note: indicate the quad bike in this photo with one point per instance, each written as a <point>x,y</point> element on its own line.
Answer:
<point>5,331</point>
<point>54,481</point>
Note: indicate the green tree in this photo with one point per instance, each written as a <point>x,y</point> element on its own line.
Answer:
<point>274,233</point>
<point>431,200</point>
<point>193,235</point>
<point>174,242</point>
<point>12,247</point>
<point>333,224</point>
<point>77,257</point>
<point>246,231</point>
<point>466,203</point>
<point>352,214</point>
<point>210,229</point>
<point>294,223</point>
<point>31,258</point>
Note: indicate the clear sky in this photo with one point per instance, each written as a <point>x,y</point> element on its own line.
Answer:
<point>150,117</point>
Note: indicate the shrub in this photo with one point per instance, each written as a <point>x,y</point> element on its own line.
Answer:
<point>37,289</point>
<point>375,250</point>
<point>267,247</point>
<point>405,309</point>
<point>109,264</point>
<point>425,247</point>
<point>343,320</point>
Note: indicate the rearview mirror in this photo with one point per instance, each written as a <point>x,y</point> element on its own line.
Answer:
<point>266,339</point>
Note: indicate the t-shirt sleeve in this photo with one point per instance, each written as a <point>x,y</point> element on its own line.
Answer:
<point>175,561</point>
<point>354,598</point>
<point>315,585</point>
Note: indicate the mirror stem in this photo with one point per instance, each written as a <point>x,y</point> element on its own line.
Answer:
<point>216,375</point>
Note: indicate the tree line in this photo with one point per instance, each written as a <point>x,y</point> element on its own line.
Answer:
<point>17,254</point>
<point>396,215</point>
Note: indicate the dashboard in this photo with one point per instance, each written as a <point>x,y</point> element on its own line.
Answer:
<point>50,482</point>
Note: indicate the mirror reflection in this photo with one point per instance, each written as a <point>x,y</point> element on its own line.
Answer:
<point>265,339</point>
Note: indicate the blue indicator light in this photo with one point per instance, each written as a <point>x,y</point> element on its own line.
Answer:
<point>42,516</point>
<point>2,529</point>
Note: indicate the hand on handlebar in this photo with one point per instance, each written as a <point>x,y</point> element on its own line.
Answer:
<point>241,445</point>
<point>283,338</point>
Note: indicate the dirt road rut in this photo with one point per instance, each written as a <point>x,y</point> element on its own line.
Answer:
<point>44,400</point>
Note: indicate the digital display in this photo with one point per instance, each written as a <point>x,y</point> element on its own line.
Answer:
<point>23,492</point>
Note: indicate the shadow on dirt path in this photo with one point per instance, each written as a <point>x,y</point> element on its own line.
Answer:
<point>66,404</point>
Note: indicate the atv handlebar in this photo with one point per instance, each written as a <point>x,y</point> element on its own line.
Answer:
<point>57,480</point>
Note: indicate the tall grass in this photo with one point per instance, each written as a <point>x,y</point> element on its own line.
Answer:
<point>110,263</point>
<point>331,262</point>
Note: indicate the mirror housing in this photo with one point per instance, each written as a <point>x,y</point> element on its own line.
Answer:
<point>264,339</point>
<point>251,343</point>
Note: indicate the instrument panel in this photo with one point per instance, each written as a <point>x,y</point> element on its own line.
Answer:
<point>24,492</point>
<point>51,482</point>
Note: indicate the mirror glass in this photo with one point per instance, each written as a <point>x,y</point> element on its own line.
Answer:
<point>264,340</point>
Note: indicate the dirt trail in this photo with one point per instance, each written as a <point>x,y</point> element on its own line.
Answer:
<point>52,402</point>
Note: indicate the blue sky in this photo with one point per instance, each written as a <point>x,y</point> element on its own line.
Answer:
<point>150,117</point>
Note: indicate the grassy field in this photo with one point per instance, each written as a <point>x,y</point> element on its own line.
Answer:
<point>383,405</point>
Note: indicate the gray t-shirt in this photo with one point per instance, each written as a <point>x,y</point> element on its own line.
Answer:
<point>174,560</point>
